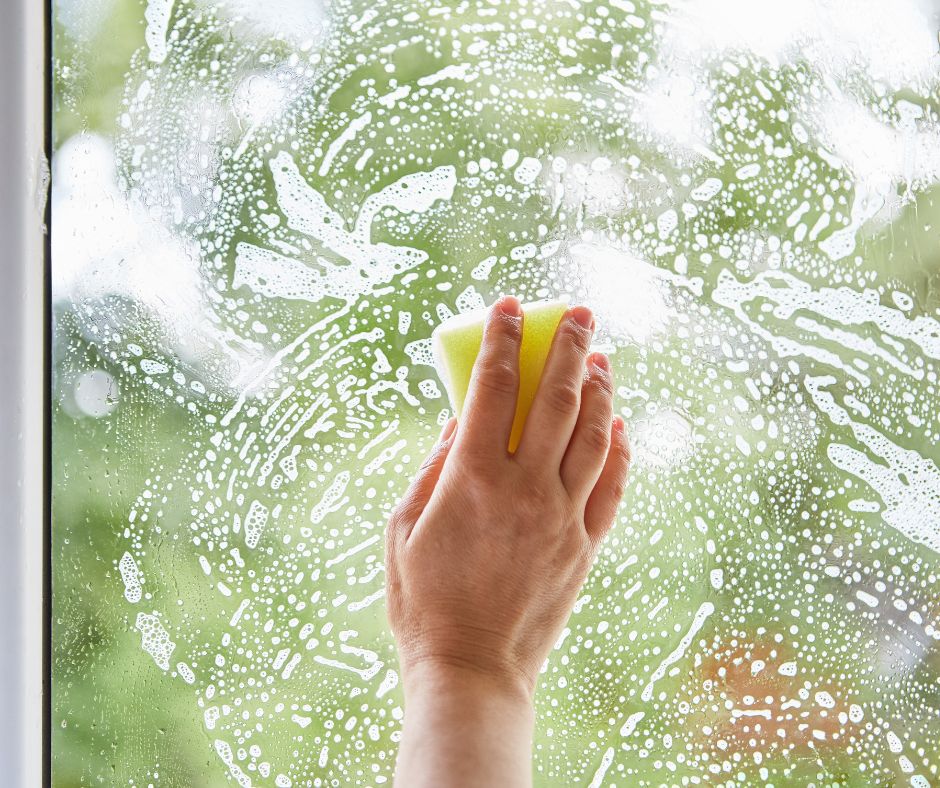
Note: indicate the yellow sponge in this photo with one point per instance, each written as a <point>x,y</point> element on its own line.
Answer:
<point>456,343</point>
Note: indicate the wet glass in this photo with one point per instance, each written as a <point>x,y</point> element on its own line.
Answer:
<point>260,213</point>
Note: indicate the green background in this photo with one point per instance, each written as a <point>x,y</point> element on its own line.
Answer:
<point>774,525</point>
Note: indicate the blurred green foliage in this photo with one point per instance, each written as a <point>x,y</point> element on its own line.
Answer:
<point>117,720</point>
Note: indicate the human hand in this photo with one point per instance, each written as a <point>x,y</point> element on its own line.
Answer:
<point>487,551</point>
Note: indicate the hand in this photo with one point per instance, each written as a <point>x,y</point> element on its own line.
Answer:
<point>487,550</point>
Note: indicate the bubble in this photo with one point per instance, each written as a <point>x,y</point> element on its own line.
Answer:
<point>96,394</point>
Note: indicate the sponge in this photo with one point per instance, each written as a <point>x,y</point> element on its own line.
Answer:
<point>456,343</point>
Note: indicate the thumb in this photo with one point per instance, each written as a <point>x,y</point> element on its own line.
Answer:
<point>425,480</point>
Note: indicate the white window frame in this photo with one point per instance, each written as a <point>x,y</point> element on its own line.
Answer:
<point>24,397</point>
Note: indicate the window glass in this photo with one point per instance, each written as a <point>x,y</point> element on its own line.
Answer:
<point>261,211</point>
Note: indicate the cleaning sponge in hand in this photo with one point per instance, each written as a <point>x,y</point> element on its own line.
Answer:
<point>456,343</point>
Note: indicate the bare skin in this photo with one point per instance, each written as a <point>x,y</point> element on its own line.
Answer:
<point>487,551</point>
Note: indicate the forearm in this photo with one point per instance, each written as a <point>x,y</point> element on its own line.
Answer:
<point>464,729</point>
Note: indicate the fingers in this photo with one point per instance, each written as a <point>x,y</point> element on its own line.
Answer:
<point>605,498</point>
<point>590,441</point>
<point>419,491</point>
<point>554,410</point>
<point>494,384</point>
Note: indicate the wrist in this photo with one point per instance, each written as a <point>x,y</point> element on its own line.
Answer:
<point>467,682</point>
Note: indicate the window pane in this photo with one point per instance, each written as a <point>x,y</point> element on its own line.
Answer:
<point>261,211</point>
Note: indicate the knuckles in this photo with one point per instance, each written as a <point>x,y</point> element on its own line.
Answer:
<point>564,397</point>
<point>576,336</point>
<point>534,504</point>
<point>435,456</point>
<point>601,385</point>
<point>499,376</point>
<point>501,325</point>
<point>597,437</point>
<point>618,486</point>
<point>479,475</point>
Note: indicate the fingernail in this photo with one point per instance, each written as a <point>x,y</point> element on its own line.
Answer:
<point>448,430</point>
<point>509,305</point>
<point>600,360</point>
<point>583,317</point>
<point>618,424</point>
